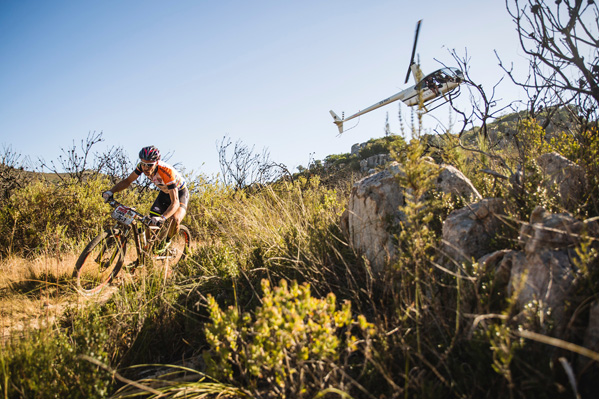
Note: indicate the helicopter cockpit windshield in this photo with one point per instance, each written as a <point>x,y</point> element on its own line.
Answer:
<point>440,77</point>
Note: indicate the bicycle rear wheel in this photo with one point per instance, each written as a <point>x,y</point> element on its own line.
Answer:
<point>100,262</point>
<point>176,248</point>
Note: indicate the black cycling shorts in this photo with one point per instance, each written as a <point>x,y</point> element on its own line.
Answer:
<point>163,201</point>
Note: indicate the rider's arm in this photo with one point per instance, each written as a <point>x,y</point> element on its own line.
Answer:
<point>126,182</point>
<point>170,211</point>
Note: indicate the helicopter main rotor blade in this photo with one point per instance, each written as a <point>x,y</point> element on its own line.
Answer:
<point>413,51</point>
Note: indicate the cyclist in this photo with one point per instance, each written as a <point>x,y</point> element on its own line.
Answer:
<point>174,195</point>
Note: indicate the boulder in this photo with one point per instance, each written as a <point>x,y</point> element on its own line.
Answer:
<point>468,233</point>
<point>544,281</point>
<point>452,181</point>
<point>372,211</point>
<point>543,274</point>
<point>563,178</point>
<point>373,215</point>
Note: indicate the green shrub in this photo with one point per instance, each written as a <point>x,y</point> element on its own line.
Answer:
<point>55,218</point>
<point>290,346</point>
<point>48,363</point>
<point>383,145</point>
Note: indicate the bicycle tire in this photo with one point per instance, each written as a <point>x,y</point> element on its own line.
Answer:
<point>178,247</point>
<point>94,273</point>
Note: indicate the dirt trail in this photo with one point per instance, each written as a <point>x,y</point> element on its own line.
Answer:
<point>20,312</point>
<point>35,293</point>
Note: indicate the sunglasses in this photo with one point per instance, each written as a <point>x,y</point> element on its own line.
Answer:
<point>147,165</point>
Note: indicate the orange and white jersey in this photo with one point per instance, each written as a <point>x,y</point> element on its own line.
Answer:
<point>165,178</point>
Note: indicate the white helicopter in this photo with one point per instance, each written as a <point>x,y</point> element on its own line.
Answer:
<point>429,89</point>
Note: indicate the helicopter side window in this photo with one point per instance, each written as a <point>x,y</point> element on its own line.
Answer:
<point>441,78</point>
<point>430,82</point>
<point>434,81</point>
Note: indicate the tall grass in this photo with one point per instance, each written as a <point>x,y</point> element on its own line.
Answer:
<point>273,302</point>
<point>289,228</point>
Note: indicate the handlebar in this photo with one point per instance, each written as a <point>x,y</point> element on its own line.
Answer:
<point>142,218</point>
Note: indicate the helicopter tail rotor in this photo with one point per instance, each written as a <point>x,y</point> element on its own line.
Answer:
<point>413,51</point>
<point>338,121</point>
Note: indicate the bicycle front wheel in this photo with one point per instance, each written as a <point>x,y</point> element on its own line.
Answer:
<point>100,262</point>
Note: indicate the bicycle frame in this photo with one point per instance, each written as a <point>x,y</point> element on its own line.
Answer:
<point>143,238</point>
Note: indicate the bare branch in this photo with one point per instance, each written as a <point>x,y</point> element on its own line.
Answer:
<point>557,36</point>
<point>244,167</point>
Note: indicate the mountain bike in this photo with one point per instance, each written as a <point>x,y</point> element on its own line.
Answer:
<point>105,255</point>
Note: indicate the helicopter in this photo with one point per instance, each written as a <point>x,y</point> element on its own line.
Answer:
<point>427,91</point>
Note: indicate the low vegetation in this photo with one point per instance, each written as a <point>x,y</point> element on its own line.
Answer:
<point>273,302</point>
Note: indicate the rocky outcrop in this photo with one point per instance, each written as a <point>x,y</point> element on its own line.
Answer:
<point>563,178</point>
<point>372,216</point>
<point>541,278</point>
<point>368,164</point>
<point>372,211</point>
<point>468,233</point>
<point>355,149</point>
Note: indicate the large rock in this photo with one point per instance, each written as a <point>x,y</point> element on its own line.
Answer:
<point>469,233</point>
<point>548,231</point>
<point>372,211</point>
<point>372,216</point>
<point>542,277</point>
<point>543,282</point>
<point>452,181</point>
<point>563,178</point>
<point>548,274</point>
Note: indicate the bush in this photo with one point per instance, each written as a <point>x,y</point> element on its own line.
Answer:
<point>290,347</point>
<point>383,145</point>
<point>49,363</point>
<point>57,218</point>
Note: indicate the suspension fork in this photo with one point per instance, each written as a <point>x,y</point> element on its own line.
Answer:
<point>120,233</point>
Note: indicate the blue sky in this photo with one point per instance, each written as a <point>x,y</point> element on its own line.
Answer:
<point>182,74</point>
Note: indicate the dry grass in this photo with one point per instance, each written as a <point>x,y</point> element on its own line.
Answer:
<point>45,268</point>
<point>33,292</point>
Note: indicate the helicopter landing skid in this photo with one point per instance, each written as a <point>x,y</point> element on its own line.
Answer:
<point>439,101</point>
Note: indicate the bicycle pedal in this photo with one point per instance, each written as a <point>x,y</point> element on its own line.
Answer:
<point>164,248</point>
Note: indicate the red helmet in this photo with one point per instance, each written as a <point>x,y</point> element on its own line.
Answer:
<point>149,154</point>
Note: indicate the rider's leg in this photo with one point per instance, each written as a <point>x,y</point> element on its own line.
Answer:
<point>180,212</point>
<point>177,218</point>
<point>160,205</point>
